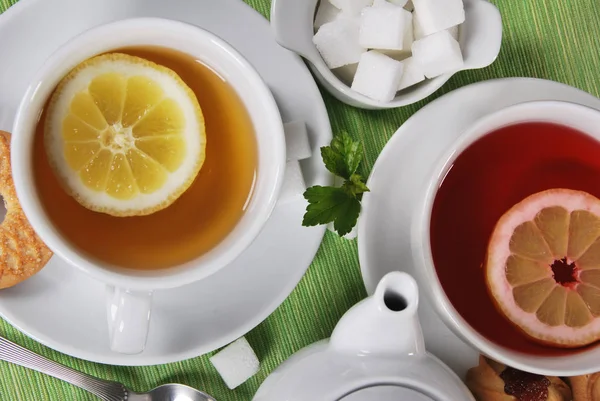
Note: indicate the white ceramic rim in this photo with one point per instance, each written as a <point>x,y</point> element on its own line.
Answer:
<point>184,37</point>
<point>541,111</point>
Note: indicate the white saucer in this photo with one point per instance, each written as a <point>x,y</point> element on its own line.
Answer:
<point>384,225</point>
<point>65,310</point>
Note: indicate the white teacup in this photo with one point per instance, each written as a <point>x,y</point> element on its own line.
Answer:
<point>130,292</point>
<point>581,118</point>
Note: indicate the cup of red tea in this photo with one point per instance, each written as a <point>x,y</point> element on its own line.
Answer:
<point>502,161</point>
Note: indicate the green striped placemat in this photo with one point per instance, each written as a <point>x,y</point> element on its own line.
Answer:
<point>552,39</point>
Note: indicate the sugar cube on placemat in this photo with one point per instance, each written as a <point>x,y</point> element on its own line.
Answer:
<point>236,363</point>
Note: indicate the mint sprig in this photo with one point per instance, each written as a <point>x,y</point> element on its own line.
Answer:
<point>340,205</point>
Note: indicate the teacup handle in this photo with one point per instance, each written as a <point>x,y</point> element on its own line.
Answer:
<point>128,319</point>
<point>481,35</point>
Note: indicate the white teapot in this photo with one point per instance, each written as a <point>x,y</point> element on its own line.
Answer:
<point>376,353</point>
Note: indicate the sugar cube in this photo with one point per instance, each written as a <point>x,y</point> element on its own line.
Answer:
<point>346,73</point>
<point>337,41</point>
<point>454,32</point>
<point>409,36</point>
<point>326,12</point>
<point>236,363</point>
<point>411,74</point>
<point>396,54</point>
<point>437,54</point>
<point>399,3</point>
<point>406,46</point>
<point>377,76</point>
<point>408,30</point>
<point>296,141</point>
<point>384,27</point>
<point>350,7</point>
<point>438,15</point>
<point>293,183</point>
<point>418,31</point>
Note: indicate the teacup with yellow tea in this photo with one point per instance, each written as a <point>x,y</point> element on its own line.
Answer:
<point>148,153</point>
<point>130,204</point>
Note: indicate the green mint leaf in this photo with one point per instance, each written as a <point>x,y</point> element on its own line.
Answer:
<point>330,204</point>
<point>338,205</point>
<point>355,185</point>
<point>322,202</point>
<point>343,156</point>
<point>334,162</point>
<point>350,150</point>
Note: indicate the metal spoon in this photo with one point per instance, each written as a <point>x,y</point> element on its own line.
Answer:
<point>105,390</point>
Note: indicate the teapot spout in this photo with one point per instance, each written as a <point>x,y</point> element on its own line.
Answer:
<point>385,323</point>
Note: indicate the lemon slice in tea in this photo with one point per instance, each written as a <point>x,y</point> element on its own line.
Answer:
<point>543,267</point>
<point>126,136</point>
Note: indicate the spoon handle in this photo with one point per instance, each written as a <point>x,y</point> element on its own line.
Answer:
<point>105,390</point>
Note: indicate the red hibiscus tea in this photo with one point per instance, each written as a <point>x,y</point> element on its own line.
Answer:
<point>486,180</point>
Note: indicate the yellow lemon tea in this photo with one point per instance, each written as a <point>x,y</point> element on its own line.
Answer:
<point>198,220</point>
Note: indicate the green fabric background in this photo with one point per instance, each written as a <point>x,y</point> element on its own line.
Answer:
<point>552,39</point>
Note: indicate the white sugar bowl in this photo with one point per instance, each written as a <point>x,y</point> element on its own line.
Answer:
<point>479,36</point>
<point>376,352</point>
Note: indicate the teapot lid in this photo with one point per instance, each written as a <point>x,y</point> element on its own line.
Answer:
<point>386,393</point>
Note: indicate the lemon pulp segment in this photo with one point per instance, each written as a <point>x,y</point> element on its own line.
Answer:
<point>125,136</point>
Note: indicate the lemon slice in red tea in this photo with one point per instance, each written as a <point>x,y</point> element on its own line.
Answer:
<point>543,267</point>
